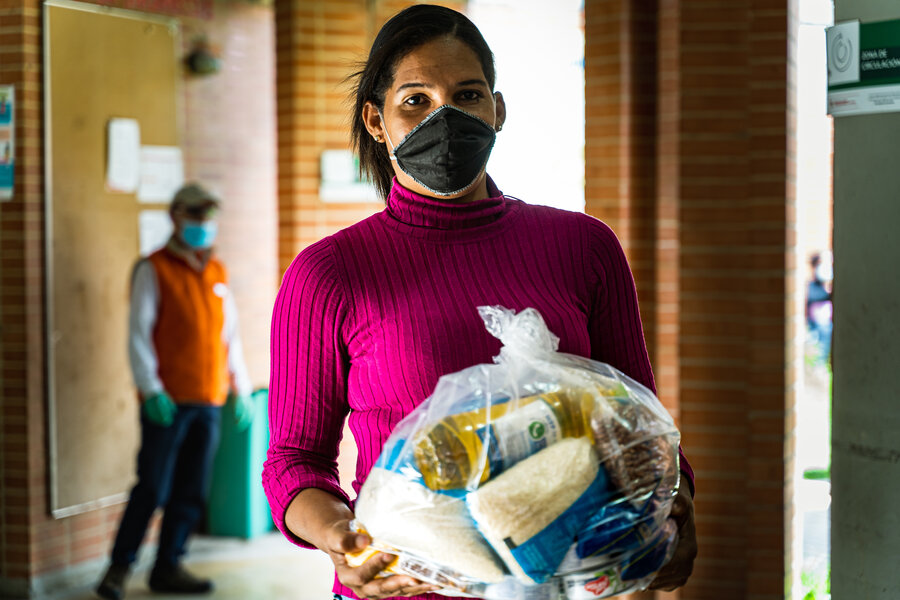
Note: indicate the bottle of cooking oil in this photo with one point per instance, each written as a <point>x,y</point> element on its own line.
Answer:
<point>468,448</point>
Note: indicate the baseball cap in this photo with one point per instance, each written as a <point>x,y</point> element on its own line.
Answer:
<point>194,199</point>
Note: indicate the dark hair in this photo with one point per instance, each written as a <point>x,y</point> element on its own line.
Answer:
<point>403,33</point>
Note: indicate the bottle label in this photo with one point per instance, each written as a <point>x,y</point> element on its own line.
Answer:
<point>522,432</point>
<point>594,585</point>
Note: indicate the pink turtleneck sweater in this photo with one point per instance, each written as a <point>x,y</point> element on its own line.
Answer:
<point>368,319</point>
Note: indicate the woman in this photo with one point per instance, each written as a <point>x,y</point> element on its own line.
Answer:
<point>368,319</point>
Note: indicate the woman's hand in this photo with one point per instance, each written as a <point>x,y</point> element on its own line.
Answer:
<point>339,540</point>
<point>675,573</point>
<point>323,520</point>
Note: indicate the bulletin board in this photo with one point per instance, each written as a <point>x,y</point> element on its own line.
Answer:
<point>99,63</point>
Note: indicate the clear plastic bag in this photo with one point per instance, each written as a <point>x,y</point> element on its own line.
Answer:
<point>543,476</point>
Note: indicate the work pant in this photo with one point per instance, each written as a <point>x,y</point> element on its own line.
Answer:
<point>173,468</point>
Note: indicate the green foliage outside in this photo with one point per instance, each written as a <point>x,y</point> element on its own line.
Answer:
<point>816,585</point>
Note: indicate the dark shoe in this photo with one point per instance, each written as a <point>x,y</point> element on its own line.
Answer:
<point>176,579</point>
<point>112,586</point>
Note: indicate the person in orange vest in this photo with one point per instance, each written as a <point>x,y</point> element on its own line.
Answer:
<point>185,355</point>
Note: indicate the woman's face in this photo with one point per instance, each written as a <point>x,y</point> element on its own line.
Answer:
<point>442,71</point>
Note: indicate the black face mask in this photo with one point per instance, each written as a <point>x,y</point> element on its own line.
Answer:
<point>447,151</point>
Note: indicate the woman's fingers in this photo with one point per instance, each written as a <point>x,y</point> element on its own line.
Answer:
<point>682,509</point>
<point>365,583</point>
<point>364,580</point>
<point>356,577</point>
<point>343,540</point>
<point>395,585</point>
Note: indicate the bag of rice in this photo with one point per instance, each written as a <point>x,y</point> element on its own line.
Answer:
<point>531,513</point>
<point>543,476</point>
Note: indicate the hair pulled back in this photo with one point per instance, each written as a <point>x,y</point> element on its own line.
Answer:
<point>403,33</point>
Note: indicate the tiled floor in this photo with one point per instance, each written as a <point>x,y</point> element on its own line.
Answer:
<point>266,568</point>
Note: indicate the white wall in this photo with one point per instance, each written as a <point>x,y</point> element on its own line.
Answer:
<point>539,51</point>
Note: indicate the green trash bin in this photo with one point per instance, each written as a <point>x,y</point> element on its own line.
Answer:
<point>237,503</point>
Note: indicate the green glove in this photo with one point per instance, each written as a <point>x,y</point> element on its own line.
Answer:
<point>160,409</point>
<point>244,408</point>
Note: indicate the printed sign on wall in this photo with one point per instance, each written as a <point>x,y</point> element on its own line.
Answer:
<point>863,67</point>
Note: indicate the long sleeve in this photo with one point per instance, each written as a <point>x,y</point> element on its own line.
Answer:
<point>308,383</point>
<point>231,335</point>
<point>144,303</point>
<point>617,335</point>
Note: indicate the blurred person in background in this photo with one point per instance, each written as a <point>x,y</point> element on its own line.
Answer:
<point>185,355</point>
<point>819,309</point>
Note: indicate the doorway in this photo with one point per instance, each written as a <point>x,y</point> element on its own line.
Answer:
<point>812,485</point>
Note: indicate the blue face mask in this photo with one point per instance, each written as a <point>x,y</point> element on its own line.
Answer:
<point>199,235</point>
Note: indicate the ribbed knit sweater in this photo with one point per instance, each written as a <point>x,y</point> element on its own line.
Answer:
<point>368,319</point>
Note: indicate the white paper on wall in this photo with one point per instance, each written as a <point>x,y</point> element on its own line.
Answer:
<point>154,227</point>
<point>123,146</point>
<point>162,173</point>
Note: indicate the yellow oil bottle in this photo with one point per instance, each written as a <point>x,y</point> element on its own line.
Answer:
<point>465,449</point>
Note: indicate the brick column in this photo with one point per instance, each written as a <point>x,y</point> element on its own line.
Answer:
<point>773,369</point>
<point>710,243</point>
<point>621,164</point>
<point>606,114</point>
<point>317,45</point>
<point>711,187</point>
<point>22,450</point>
<point>626,168</point>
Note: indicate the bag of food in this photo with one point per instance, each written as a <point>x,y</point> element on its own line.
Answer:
<point>543,476</point>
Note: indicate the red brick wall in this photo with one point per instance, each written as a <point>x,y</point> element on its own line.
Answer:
<point>666,353</point>
<point>229,143</point>
<point>319,43</point>
<point>22,454</point>
<point>621,106</point>
<point>710,245</point>
<point>316,46</point>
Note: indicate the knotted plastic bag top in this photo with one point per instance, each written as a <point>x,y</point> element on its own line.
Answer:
<point>523,335</point>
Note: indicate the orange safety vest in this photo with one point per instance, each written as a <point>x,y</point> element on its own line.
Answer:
<point>190,350</point>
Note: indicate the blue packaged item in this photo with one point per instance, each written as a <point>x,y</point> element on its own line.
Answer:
<point>617,527</point>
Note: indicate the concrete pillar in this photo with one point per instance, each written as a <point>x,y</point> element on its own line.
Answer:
<point>865,544</point>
